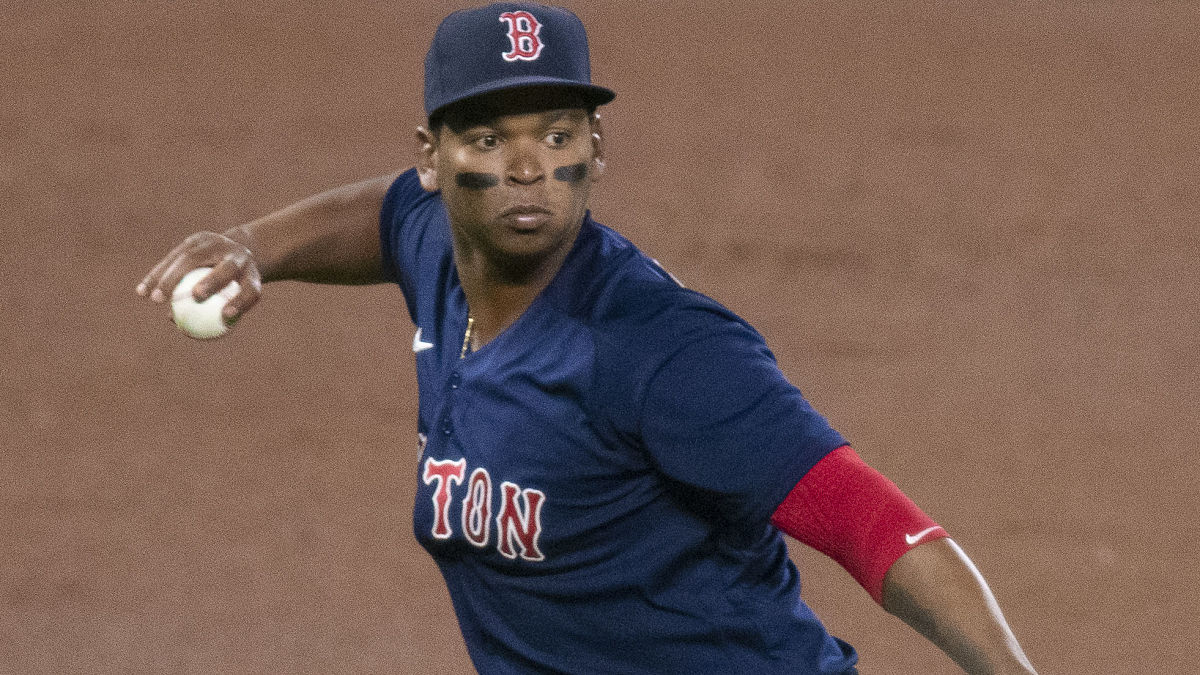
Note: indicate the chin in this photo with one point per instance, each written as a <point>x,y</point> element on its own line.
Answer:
<point>516,267</point>
<point>518,257</point>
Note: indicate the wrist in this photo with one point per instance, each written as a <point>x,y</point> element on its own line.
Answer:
<point>244,234</point>
<point>240,234</point>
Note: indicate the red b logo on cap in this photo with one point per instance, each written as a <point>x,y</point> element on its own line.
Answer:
<point>523,31</point>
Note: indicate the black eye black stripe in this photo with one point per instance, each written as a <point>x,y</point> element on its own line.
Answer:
<point>476,181</point>
<point>571,174</point>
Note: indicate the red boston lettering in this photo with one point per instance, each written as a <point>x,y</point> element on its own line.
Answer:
<point>519,522</point>
<point>445,472</point>
<point>523,30</point>
<point>522,526</point>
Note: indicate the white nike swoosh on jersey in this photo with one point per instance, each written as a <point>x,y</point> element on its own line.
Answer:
<point>420,345</point>
<point>911,539</point>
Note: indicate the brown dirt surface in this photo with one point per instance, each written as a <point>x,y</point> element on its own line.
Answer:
<point>968,230</point>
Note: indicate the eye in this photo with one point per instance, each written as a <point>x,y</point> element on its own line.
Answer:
<point>488,141</point>
<point>557,138</point>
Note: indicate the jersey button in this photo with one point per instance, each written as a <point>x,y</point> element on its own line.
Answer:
<point>455,380</point>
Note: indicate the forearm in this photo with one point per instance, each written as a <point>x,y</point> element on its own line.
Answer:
<point>331,237</point>
<point>936,589</point>
<point>852,513</point>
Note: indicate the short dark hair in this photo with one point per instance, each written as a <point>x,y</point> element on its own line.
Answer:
<point>478,110</point>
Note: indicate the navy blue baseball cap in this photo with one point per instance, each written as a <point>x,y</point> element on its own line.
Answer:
<point>508,45</point>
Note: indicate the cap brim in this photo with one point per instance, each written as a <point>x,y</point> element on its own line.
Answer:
<point>593,95</point>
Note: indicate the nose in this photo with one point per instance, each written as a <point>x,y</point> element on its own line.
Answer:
<point>524,167</point>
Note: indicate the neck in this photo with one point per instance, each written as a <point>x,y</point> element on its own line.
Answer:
<point>499,293</point>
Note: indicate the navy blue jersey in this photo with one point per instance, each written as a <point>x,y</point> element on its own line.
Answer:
<point>596,482</point>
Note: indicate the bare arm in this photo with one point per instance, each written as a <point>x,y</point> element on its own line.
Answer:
<point>936,589</point>
<point>332,237</point>
<point>853,514</point>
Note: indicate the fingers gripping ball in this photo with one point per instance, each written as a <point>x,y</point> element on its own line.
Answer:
<point>201,320</point>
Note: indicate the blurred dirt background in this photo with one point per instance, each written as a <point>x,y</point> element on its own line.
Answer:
<point>968,230</point>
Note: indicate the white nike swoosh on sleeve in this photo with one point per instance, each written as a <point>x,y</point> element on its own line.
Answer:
<point>911,539</point>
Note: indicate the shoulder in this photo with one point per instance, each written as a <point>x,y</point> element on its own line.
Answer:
<point>622,293</point>
<point>641,319</point>
<point>648,327</point>
<point>643,305</point>
<point>414,237</point>
<point>404,195</point>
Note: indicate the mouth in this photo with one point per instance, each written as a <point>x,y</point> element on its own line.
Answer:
<point>526,217</point>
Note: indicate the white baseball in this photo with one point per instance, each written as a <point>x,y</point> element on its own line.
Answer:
<point>201,320</point>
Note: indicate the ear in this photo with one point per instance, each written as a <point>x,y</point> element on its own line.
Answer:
<point>427,158</point>
<point>597,147</point>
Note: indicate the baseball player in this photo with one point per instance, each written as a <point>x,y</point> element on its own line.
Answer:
<point>607,458</point>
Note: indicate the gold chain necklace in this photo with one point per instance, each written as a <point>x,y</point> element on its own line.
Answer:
<point>466,347</point>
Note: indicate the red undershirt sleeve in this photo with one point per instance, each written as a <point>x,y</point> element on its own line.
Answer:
<point>853,514</point>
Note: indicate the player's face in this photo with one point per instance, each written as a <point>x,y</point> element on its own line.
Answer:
<point>515,183</point>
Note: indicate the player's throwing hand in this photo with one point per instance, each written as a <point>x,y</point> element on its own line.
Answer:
<point>230,260</point>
